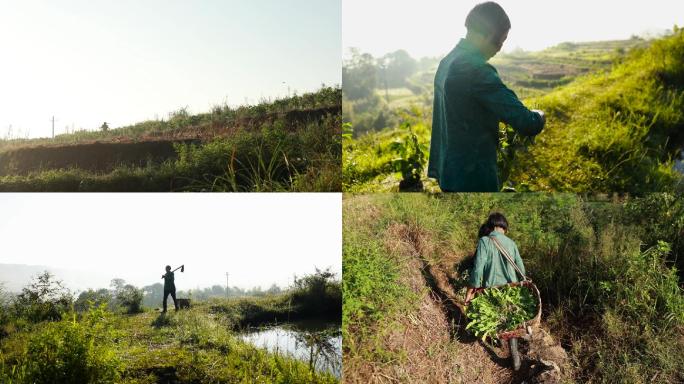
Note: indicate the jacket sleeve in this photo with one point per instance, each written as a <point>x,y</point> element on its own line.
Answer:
<point>491,92</point>
<point>478,269</point>
<point>518,259</point>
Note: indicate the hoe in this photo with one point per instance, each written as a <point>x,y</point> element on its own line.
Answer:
<point>182,268</point>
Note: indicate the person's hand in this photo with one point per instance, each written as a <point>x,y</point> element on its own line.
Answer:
<point>469,296</point>
<point>542,114</point>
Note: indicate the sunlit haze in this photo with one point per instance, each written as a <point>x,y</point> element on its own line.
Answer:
<point>433,27</point>
<point>86,62</point>
<point>259,239</point>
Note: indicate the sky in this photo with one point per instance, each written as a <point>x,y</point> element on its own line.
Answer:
<point>90,61</point>
<point>257,238</point>
<point>431,28</point>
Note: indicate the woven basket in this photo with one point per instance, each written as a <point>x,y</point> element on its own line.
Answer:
<point>521,331</point>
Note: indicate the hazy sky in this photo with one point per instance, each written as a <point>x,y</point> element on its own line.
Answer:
<point>124,61</point>
<point>258,238</point>
<point>433,27</point>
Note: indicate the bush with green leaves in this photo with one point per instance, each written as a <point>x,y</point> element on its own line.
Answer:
<point>500,309</point>
<point>318,293</point>
<point>91,297</point>
<point>67,351</point>
<point>411,161</point>
<point>130,298</point>
<point>43,299</point>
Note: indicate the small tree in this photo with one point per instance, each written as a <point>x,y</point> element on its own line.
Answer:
<point>130,298</point>
<point>93,298</point>
<point>104,127</point>
<point>44,299</point>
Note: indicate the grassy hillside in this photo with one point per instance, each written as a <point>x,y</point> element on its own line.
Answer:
<point>613,304</point>
<point>610,128</point>
<point>289,144</point>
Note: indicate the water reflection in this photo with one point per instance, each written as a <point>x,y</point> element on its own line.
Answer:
<point>679,162</point>
<point>315,342</point>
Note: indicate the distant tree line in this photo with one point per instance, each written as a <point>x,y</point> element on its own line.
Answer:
<point>367,81</point>
<point>362,73</point>
<point>46,299</point>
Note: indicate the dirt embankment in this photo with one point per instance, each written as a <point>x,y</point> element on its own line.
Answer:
<point>103,155</point>
<point>437,346</point>
<point>97,156</point>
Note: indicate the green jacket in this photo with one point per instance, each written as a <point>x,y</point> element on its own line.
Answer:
<point>491,268</point>
<point>169,284</point>
<point>470,101</point>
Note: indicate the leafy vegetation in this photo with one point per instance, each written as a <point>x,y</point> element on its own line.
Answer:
<point>287,145</point>
<point>317,295</point>
<point>500,309</point>
<point>613,119</point>
<point>606,269</point>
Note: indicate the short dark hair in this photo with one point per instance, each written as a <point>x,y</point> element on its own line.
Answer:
<point>485,230</point>
<point>487,18</point>
<point>168,267</point>
<point>497,219</point>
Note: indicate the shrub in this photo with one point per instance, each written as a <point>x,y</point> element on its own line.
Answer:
<point>89,298</point>
<point>130,298</point>
<point>318,293</point>
<point>43,299</point>
<point>67,352</point>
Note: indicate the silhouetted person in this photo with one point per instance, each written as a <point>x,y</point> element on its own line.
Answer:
<point>169,288</point>
<point>470,101</point>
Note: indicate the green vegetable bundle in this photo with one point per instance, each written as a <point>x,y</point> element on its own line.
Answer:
<point>500,309</point>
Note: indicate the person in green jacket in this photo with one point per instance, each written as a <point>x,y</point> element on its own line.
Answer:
<point>491,268</point>
<point>469,102</point>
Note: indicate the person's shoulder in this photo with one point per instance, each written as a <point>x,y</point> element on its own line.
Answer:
<point>508,239</point>
<point>486,71</point>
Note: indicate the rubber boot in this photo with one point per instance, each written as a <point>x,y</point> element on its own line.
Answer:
<point>515,355</point>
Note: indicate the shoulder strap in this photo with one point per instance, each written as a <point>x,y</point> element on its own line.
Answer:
<point>508,257</point>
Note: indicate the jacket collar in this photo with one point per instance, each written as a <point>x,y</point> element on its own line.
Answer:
<point>470,49</point>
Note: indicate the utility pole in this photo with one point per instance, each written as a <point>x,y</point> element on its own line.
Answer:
<point>288,88</point>
<point>53,126</point>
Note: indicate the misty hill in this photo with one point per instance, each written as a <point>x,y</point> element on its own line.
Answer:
<point>16,276</point>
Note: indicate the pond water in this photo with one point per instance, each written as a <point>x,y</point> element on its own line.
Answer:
<point>679,162</point>
<point>302,339</point>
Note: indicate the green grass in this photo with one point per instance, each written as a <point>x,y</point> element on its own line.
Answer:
<point>184,347</point>
<point>604,268</point>
<point>372,293</point>
<point>249,116</point>
<point>615,128</point>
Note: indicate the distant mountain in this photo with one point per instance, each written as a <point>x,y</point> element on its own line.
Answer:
<point>14,277</point>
